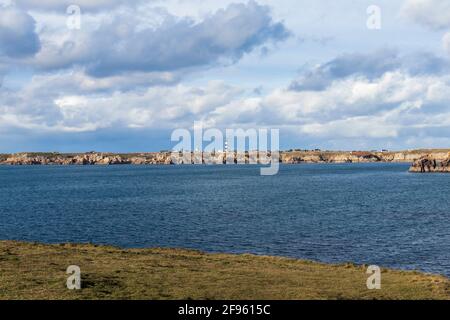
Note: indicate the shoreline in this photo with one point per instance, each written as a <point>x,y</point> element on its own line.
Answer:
<point>38,271</point>
<point>165,158</point>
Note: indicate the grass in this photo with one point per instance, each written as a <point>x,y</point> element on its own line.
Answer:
<point>37,271</point>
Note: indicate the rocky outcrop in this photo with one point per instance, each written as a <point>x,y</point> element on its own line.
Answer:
<point>99,159</point>
<point>412,156</point>
<point>330,157</point>
<point>430,164</point>
<point>56,159</point>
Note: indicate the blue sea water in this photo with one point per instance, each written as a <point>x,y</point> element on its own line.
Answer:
<point>364,213</point>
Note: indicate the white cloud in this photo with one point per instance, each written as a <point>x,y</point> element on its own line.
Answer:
<point>396,105</point>
<point>50,105</point>
<point>76,82</point>
<point>432,13</point>
<point>121,43</point>
<point>357,127</point>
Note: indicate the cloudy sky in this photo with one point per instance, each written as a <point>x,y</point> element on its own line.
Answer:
<point>136,70</point>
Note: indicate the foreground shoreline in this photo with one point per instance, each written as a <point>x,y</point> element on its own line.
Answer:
<point>38,271</point>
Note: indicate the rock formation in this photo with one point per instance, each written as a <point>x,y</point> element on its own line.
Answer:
<point>431,164</point>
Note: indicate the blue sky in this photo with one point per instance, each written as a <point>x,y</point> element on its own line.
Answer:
<point>136,70</point>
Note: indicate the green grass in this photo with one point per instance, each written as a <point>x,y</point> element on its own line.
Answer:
<point>37,271</point>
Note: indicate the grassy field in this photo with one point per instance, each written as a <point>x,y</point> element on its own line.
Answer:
<point>36,271</point>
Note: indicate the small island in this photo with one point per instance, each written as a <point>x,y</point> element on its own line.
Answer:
<point>430,164</point>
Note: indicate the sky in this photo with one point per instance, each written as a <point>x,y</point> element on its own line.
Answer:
<point>121,76</point>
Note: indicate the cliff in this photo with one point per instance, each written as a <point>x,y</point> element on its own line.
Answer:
<point>288,157</point>
<point>84,159</point>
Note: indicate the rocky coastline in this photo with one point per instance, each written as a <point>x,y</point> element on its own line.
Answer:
<point>423,160</point>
